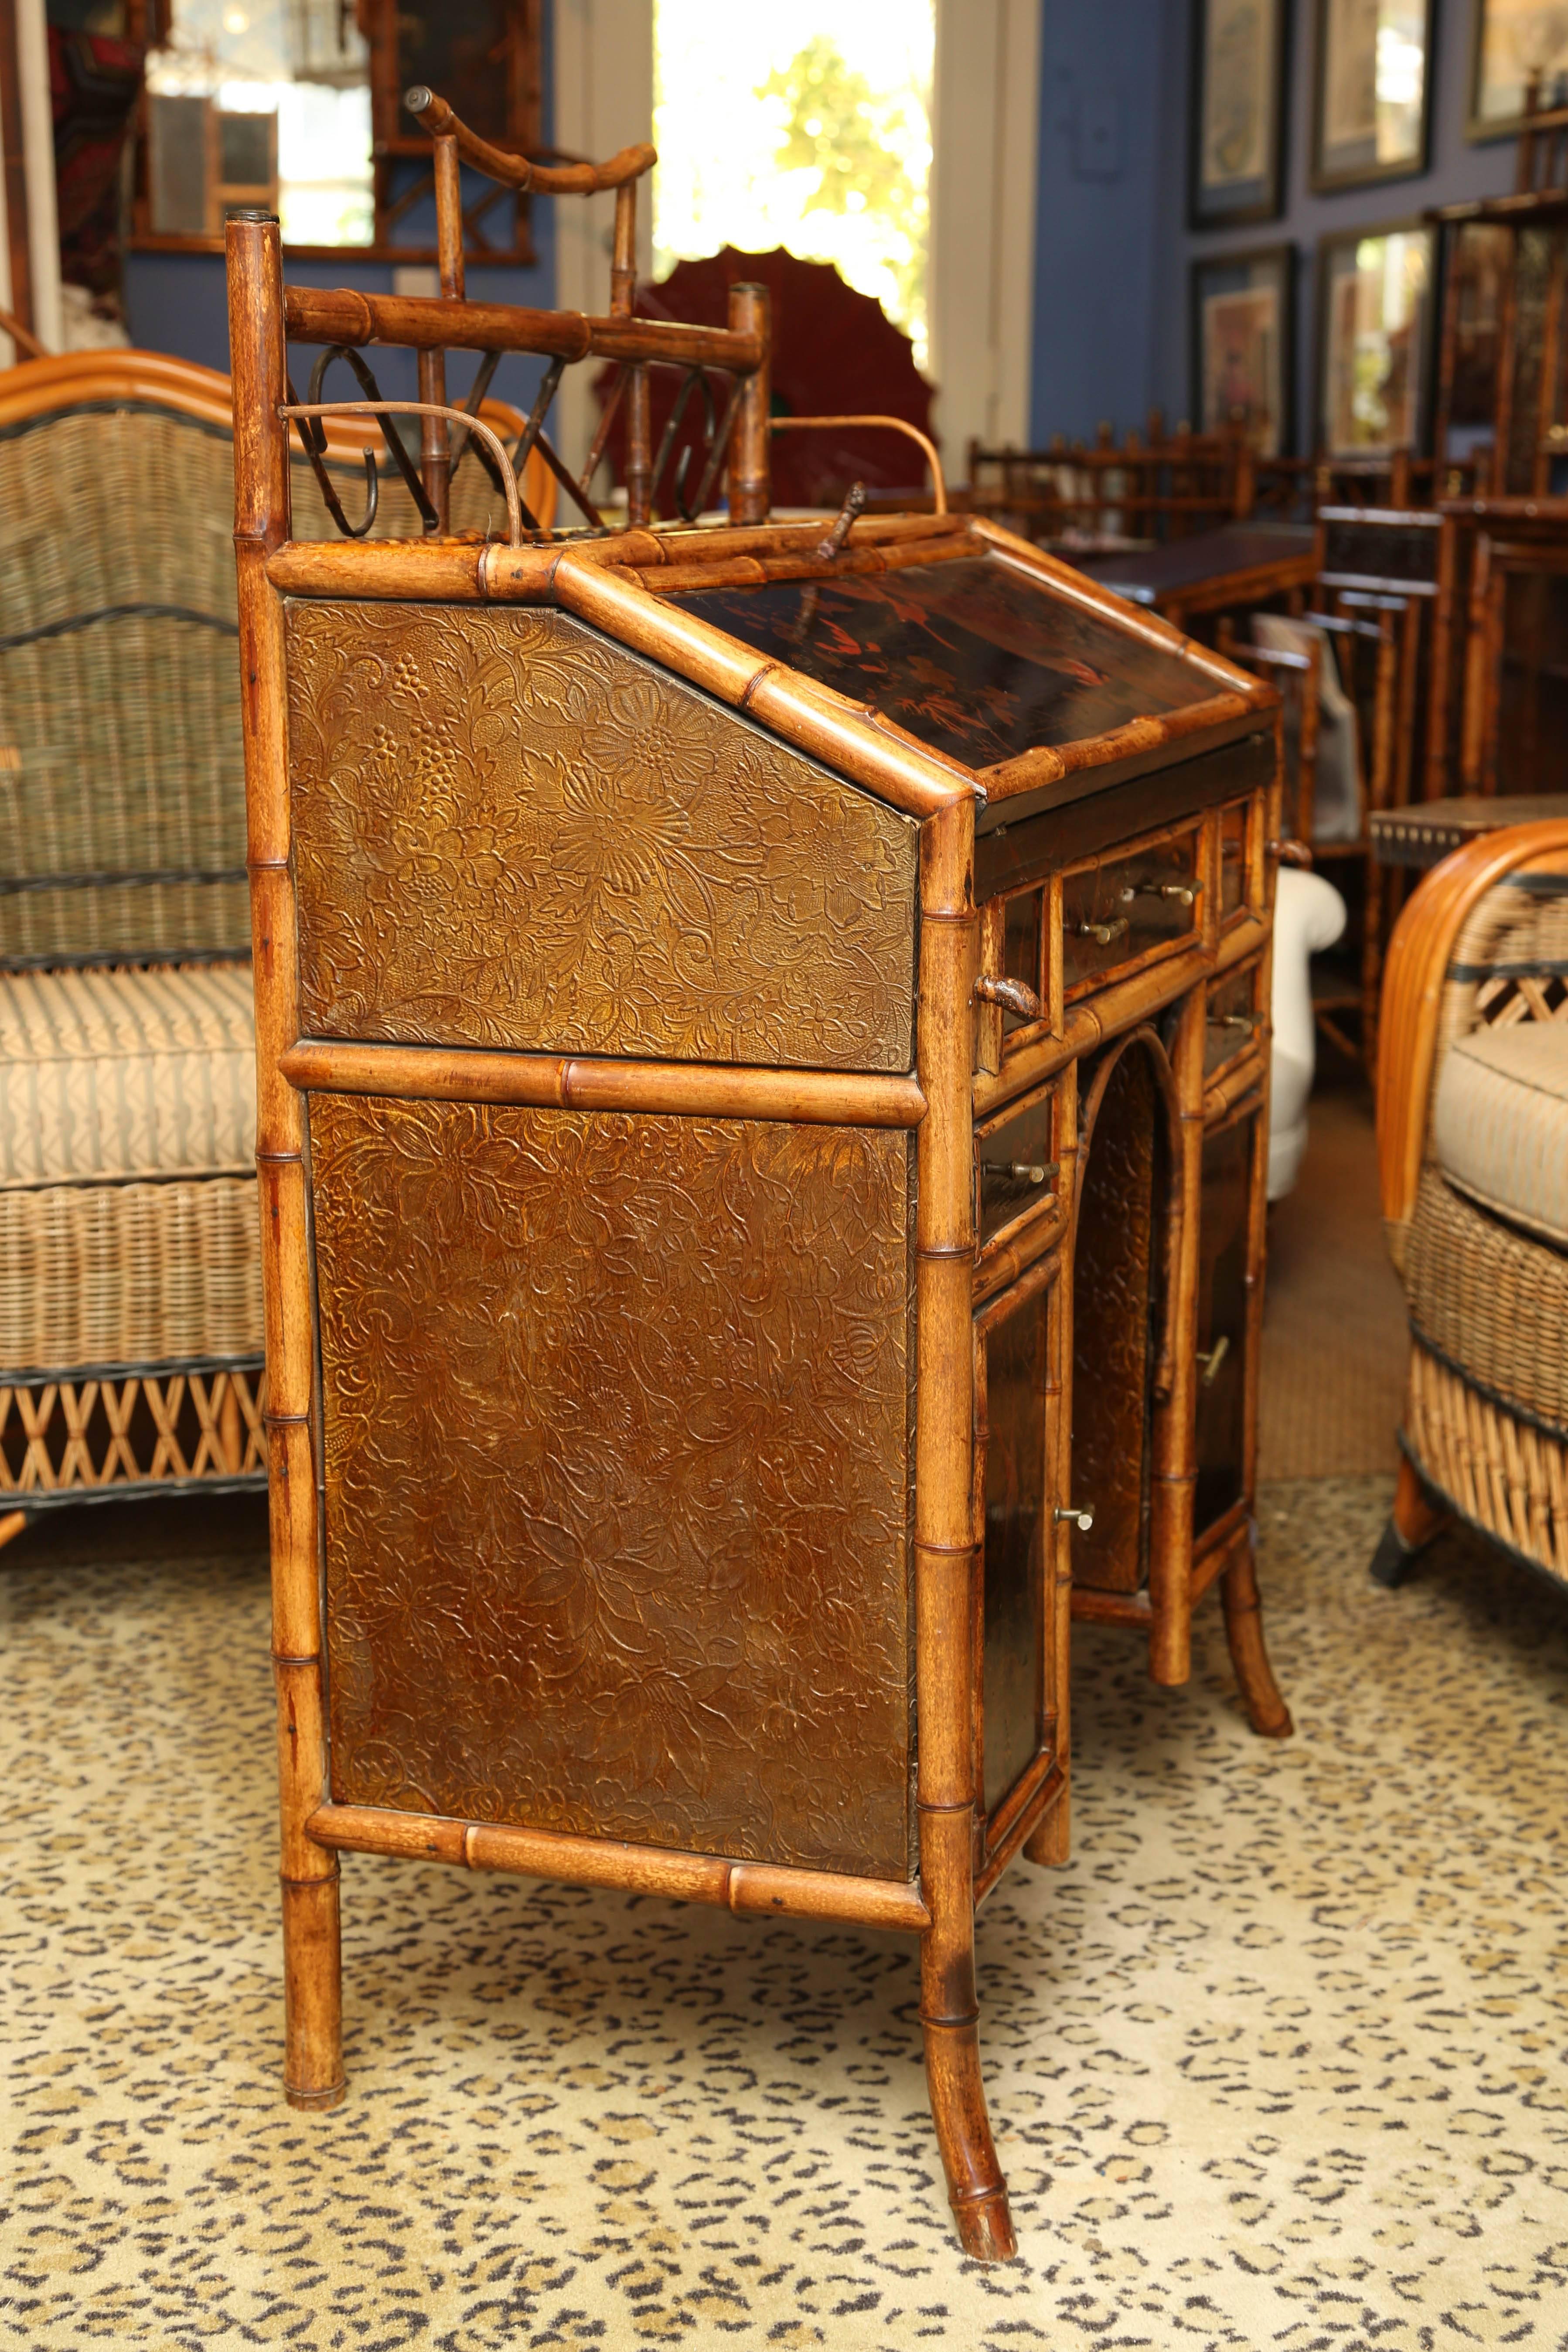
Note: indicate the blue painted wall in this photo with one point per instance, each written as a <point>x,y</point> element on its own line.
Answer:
<point>1459,171</point>
<point>1101,238</point>
<point>1112,248</point>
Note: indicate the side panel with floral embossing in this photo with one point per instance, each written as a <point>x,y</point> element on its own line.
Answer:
<point>616,1414</point>
<point>509,832</point>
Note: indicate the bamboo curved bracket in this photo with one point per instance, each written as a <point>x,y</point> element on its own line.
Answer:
<point>886,424</point>
<point>436,116</point>
<point>1413,979</point>
<point>427,408</point>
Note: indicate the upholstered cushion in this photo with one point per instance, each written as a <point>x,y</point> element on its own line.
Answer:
<point>121,1074</point>
<point>1499,1123</point>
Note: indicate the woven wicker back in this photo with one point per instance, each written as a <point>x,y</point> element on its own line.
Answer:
<point>1510,962</point>
<point>121,775</point>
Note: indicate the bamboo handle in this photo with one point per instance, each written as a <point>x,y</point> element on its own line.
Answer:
<point>1291,853</point>
<point>425,408</point>
<point>1012,995</point>
<point>516,171</point>
<point>888,424</point>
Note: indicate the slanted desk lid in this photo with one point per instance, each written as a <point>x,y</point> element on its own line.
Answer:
<point>975,658</point>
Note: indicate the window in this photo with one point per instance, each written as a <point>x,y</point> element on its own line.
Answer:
<point>297,104</point>
<point>806,123</point>
<point>261,101</point>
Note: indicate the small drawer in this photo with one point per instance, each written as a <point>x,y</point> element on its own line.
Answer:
<point>1236,1015</point>
<point>1236,825</point>
<point>1023,939</point>
<point>1017,1170</point>
<point>1116,912</point>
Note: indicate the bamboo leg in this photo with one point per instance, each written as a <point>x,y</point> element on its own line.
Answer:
<point>944,1542</point>
<point>11,1526</point>
<point>1266,1710</point>
<point>313,2068</point>
<point>1413,1523</point>
<point>950,2017</point>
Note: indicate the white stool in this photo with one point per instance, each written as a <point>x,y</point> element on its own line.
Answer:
<point>1308,914</point>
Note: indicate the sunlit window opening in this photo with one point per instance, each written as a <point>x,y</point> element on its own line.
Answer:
<point>803,125</point>
<point>240,67</point>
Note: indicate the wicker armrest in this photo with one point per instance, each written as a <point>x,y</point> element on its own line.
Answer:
<point>1419,1013</point>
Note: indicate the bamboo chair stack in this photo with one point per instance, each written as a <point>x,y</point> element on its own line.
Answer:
<point>1156,486</point>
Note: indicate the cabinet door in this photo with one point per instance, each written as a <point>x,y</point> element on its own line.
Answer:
<point>1017,1394</point>
<point>1231,1205</point>
<point>1118,1275</point>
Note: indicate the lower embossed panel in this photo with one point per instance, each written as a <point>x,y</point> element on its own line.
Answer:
<point>617,1435</point>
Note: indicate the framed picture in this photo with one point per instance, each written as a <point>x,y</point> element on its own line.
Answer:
<point>1372,107</point>
<point>1243,345</point>
<point>1517,42</point>
<point>1374,338</point>
<point>1237,111</point>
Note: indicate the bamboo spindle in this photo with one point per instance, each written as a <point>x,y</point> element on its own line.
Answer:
<point>1050,1842</point>
<point>449,219</point>
<point>1174,1481</point>
<point>624,256</point>
<point>435,434</point>
<point>313,2072</point>
<point>944,1540</point>
<point>750,477</point>
<point>639,402</point>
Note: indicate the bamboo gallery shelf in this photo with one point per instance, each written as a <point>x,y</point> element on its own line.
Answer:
<point>763,1062</point>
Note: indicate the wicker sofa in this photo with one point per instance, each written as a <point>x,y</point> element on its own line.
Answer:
<point>1473,1164</point>
<point>130,1330</point>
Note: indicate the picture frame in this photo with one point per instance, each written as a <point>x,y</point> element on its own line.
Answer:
<point>1376,316</point>
<point>1510,40</point>
<point>1242,339</point>
<point>1371,92</point>
<point>1236,112</point>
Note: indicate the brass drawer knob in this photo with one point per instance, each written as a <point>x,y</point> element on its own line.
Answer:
<point>1180,894</point>
<point>1235,1019</point>
<point>1022,1171</point>
<point>1213,1360</point>
<point>1102,933</point>
<point>1012,995</point>
<point>1075,1515</point>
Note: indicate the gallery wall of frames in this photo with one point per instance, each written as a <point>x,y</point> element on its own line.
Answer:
<point>1332,148</point>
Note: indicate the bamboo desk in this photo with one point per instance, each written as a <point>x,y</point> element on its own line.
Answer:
<point>762,1063</point>
<point>1231,570</point>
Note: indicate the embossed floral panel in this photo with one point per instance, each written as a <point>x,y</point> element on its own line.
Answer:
<point>616,1415</point>
<point>510,833</point>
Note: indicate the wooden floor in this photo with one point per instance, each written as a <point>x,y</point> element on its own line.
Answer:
<point>1334,1330</point>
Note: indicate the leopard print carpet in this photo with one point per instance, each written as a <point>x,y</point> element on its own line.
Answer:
<point>1276,2061</point>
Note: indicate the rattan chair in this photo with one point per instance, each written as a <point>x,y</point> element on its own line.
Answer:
<point>1473,1157</point>
<point>131,1327</point>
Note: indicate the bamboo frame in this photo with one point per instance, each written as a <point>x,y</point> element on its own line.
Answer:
<point>314,2067</point>
<point>565,1082</point>
<point>740,1887</point>
<point>621,586</point>
<point>430,322</point>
